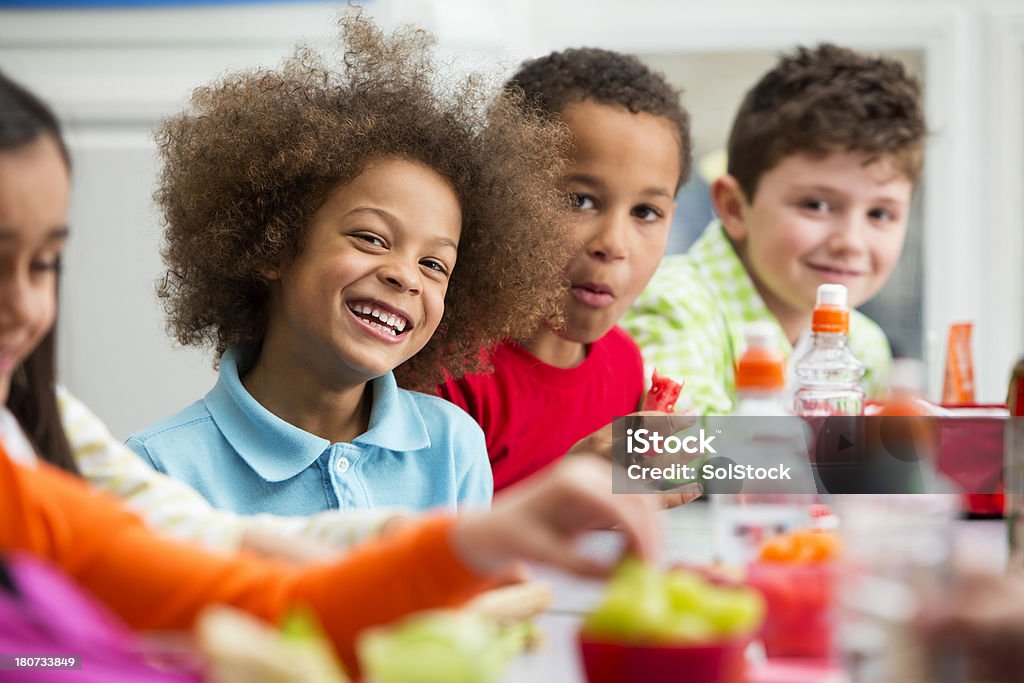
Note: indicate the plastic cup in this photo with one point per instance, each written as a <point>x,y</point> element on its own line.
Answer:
<point>799,619</point>
<point>899,555</point>
<point>611,662</point>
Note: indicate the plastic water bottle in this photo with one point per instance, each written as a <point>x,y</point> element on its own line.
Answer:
<point>828,373</point>
<point>760,374</point>
<point>742,522</point>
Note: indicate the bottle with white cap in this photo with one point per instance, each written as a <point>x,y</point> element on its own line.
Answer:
<point>829,374</point>
<point>761,374</point>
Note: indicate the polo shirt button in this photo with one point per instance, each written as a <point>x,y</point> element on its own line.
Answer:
<point>343,464</point>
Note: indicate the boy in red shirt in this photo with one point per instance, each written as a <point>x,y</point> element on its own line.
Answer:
<point>630,153</point>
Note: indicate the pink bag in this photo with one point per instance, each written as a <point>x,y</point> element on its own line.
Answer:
<point>43,613</point>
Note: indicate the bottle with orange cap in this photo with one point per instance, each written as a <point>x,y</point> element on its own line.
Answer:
<point>829,374</point>
<point>761,374</point>
<point>747,513</point>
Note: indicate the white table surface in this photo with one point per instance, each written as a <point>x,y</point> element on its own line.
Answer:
<point>978,543</point>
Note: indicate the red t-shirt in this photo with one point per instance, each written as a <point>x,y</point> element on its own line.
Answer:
<point>532,412</point>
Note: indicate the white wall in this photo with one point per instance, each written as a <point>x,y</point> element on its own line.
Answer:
<point>112,74</point>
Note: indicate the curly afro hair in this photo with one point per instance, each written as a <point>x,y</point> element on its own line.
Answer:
<point>249,165</point>
<point>826,99</point>
<point>556,80</point>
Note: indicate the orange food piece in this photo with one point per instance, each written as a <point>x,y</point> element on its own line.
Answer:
<point>803,546</point>
<point>781,548</point>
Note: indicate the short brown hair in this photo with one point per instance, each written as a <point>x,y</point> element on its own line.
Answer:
<point>830,98</point>
<point>248,166</point>
<point>556,80</point>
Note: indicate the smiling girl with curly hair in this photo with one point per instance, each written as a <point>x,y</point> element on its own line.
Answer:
<point>331,229</point>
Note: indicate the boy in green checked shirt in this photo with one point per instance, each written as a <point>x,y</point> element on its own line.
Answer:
<point>823,157</point>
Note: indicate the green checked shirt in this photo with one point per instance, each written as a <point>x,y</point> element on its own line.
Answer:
<point>689,324</point>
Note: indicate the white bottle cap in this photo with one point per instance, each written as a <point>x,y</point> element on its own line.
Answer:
<point>760,335</point>
<point>832,295</point>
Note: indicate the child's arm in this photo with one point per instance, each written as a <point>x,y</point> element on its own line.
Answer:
<point>178,509</point>
<point>155,582</point>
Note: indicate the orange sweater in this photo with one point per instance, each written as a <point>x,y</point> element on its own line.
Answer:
<point>157,583</point>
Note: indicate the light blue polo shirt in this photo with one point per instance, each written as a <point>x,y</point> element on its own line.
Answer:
<point>420,452</point>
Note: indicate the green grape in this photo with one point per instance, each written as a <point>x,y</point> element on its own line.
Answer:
<point>733,611</point>
<point>686,591</point>
<point>630,615</point>
<point>645,605</point>
<point>686,627</point>
<point>439,647</point>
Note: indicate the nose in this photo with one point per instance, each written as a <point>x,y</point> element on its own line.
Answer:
<point>401,274</point>
<point>849,235</point>
<point>16,303</point>
<point>609,241</point>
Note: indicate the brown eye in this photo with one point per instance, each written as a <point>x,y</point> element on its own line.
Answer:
<point>46,266</point>
<point>581,202</point>
<point>370,238</point>
<point>646,213</point>
<point>815,205</point>
<point>436,265</point>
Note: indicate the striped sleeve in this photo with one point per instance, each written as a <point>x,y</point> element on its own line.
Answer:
<point>179,510</point>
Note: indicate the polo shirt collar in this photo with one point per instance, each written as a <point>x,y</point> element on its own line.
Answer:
<point>396,423</point>
<point>273,448</point>
<point>277,450</point>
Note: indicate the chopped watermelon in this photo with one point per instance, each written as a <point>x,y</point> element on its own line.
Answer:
<point>663,394</point>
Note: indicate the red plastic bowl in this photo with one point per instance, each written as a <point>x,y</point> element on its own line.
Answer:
<point>799,598</point>
<point>608,662</point>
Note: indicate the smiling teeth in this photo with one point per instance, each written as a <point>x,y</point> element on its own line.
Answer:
<point>389,322</point>
<point>389,330</point>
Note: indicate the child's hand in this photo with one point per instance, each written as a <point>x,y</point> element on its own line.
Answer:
<point>539,519</point>
<point>663,394</point>
<point>602,441</point>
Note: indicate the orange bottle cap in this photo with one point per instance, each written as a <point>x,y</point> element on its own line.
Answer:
<point>760,369</point>
<point>761,366</point>
<point>831,318</point>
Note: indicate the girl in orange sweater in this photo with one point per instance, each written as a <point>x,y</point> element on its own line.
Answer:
<point>153,582</point>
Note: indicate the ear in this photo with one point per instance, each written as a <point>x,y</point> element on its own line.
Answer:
<point>731,206</point>
<point>271,274</point>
